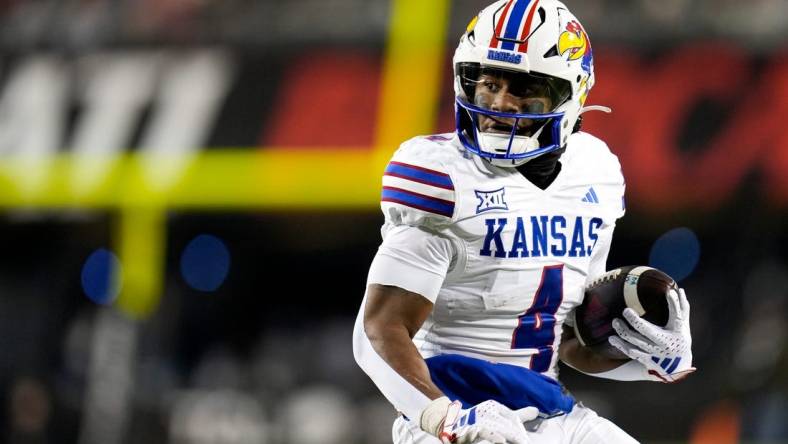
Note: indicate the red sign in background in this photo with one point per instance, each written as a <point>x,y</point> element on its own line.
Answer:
<point>690,124</point>
<point>655,99</point>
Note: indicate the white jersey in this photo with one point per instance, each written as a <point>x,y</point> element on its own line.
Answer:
<point>503,261</point>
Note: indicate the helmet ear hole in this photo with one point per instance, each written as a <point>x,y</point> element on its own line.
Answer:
<point>552,52</point>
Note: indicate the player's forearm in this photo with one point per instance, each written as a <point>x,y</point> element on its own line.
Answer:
<point>583,359</point>
<point>394,345</point>
<point>408,387</point>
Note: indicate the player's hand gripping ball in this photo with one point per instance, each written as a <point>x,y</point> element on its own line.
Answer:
<point>643,289</point>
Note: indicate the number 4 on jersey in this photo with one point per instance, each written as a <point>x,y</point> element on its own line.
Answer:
<point>536,328</point>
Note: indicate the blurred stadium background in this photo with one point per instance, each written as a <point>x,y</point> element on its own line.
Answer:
<point>189,206</point>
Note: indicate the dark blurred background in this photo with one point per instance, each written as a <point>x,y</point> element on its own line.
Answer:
<point>189,207</point>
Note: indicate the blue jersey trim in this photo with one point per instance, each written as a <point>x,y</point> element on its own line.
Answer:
<point>418,201</point>
<point>418,174</point>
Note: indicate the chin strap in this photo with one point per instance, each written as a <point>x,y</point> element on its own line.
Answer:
<point>604,109</point>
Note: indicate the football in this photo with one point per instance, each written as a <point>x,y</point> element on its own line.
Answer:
<point>644,289</point>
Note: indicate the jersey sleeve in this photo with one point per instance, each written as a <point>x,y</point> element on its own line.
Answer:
<point>418,203</point>
<point>606,177</point>
<point>417,189</point>
<point>414,259</point>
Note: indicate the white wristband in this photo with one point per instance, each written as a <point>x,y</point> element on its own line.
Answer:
<point>434,415</point>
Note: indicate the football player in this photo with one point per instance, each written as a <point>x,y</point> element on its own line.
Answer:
<point>490,235</point>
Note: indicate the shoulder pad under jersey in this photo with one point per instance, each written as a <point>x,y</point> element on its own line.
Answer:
<point>417,186</point>
<point>607,170</point>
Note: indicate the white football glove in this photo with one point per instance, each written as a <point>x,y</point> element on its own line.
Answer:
<point>488,422</point>
<point>665,352</point>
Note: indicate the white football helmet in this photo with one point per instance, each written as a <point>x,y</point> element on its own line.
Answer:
<point>536,53</point>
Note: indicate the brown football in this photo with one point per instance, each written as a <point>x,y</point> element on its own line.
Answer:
<point>644,289</point>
